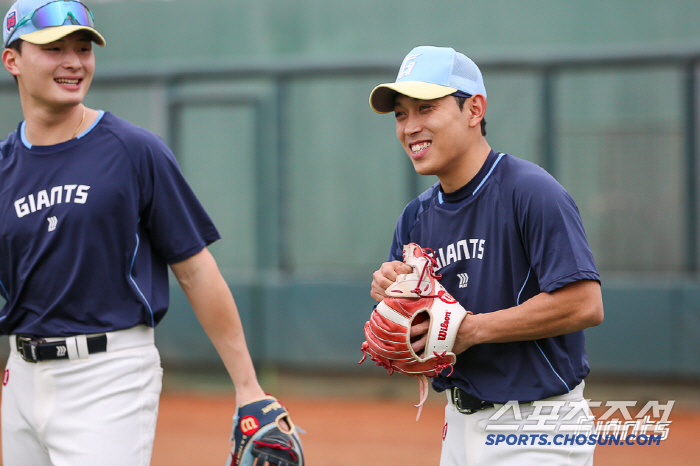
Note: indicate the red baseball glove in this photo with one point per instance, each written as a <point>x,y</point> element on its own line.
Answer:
<point>414,298</point>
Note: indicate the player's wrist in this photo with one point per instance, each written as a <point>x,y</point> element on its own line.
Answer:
<point>248,392</point>
<point>469,333</point>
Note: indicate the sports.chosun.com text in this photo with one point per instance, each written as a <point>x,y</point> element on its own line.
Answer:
<point>572,439</point>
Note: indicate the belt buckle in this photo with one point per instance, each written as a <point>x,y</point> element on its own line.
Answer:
<point>457,400</point>
<point>27,342</point>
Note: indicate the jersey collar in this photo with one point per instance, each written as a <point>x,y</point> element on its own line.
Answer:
<point>474,184</point>
<point>28,144</point>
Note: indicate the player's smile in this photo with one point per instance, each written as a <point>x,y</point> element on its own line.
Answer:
<point>419,148</point>
<point>432,133</point>
<point>68,81</point>
<point>68,63</point>
<point>70,84</point>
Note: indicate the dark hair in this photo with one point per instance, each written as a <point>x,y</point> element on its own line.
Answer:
<point>460,102</point>
<point>16,45</point>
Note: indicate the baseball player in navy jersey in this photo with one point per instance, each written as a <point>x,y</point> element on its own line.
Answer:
<point>93,210</point>
<point>511,248</point>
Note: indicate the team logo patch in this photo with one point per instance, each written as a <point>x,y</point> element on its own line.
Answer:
<point>463,280</point>
<point>53,221</point>
<point>249,425</point>
<point>6,377</point>
<point>11,20</point>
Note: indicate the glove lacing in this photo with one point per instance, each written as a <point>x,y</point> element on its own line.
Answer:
<point>429,268</point>
<point>278,446</point>
<point>378,360</point>
<point>423,386</point>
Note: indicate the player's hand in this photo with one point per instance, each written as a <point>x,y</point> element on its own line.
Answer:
<point>467,334</point>
<point>419,336</point>
<point>385,276</point>
<point>247,394</point>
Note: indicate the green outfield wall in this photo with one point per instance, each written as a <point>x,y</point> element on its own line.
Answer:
<point>265,106</point>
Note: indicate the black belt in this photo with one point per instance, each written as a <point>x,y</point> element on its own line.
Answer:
<point>37,349</point>
<point>467,404</point>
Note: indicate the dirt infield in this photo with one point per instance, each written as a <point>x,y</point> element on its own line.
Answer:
<point>351,421</point>
<point>192,430</point>
<point>372,421</point>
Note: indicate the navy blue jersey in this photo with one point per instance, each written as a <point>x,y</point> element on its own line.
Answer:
<point>509,234</point>
<point>87,228</point>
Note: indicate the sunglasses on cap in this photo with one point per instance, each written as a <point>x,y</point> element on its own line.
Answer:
<point>56,13</point>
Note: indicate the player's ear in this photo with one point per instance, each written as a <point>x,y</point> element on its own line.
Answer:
<point>9,59</point>
<point>477,109</point>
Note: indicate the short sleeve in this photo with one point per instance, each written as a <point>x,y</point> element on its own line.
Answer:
<point>552,233</point>
<point>176,221</point>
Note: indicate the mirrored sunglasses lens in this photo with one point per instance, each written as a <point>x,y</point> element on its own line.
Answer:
<point>56,13</point>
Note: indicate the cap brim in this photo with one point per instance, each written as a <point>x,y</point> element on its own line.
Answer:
<point>51,34</point>
<point>382,97</point>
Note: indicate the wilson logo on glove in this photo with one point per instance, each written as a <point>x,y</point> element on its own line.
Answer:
<point>249,425</point>
<point>442,334</point>
<point>411,299</point>
<point>446,297</point>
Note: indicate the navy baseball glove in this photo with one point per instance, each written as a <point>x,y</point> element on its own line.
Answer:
<point>260,438</point>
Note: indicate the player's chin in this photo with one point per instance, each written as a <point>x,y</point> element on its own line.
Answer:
<point>68,99</point>
<point>423,168</point>
<point>76,95</point>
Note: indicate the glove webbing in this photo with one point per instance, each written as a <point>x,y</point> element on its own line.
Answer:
<point>277,446</point>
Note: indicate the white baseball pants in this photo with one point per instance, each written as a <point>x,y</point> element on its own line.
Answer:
<point>100,409</point>
<point>498,436</point>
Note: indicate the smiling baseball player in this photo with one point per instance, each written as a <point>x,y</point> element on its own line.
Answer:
<point>93,210</point>
<point>509,246</point>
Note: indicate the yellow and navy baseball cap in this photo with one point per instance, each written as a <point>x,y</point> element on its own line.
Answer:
<point>42,22</point>
<point>429,73</point>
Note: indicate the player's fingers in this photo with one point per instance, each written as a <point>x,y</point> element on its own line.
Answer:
<point>393,269</point>
<point>420,328</point>
<point>390,270</point>
<point>419,335</point>
<point>385,277</point>
<point>381,279</point>
<point>377,293</point>
<point>285,426</point>
<point>387,274</point>
<point>419,344</point>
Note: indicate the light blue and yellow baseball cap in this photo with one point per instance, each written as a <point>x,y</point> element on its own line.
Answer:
<point>42,21</point>
<point>429,73</point>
